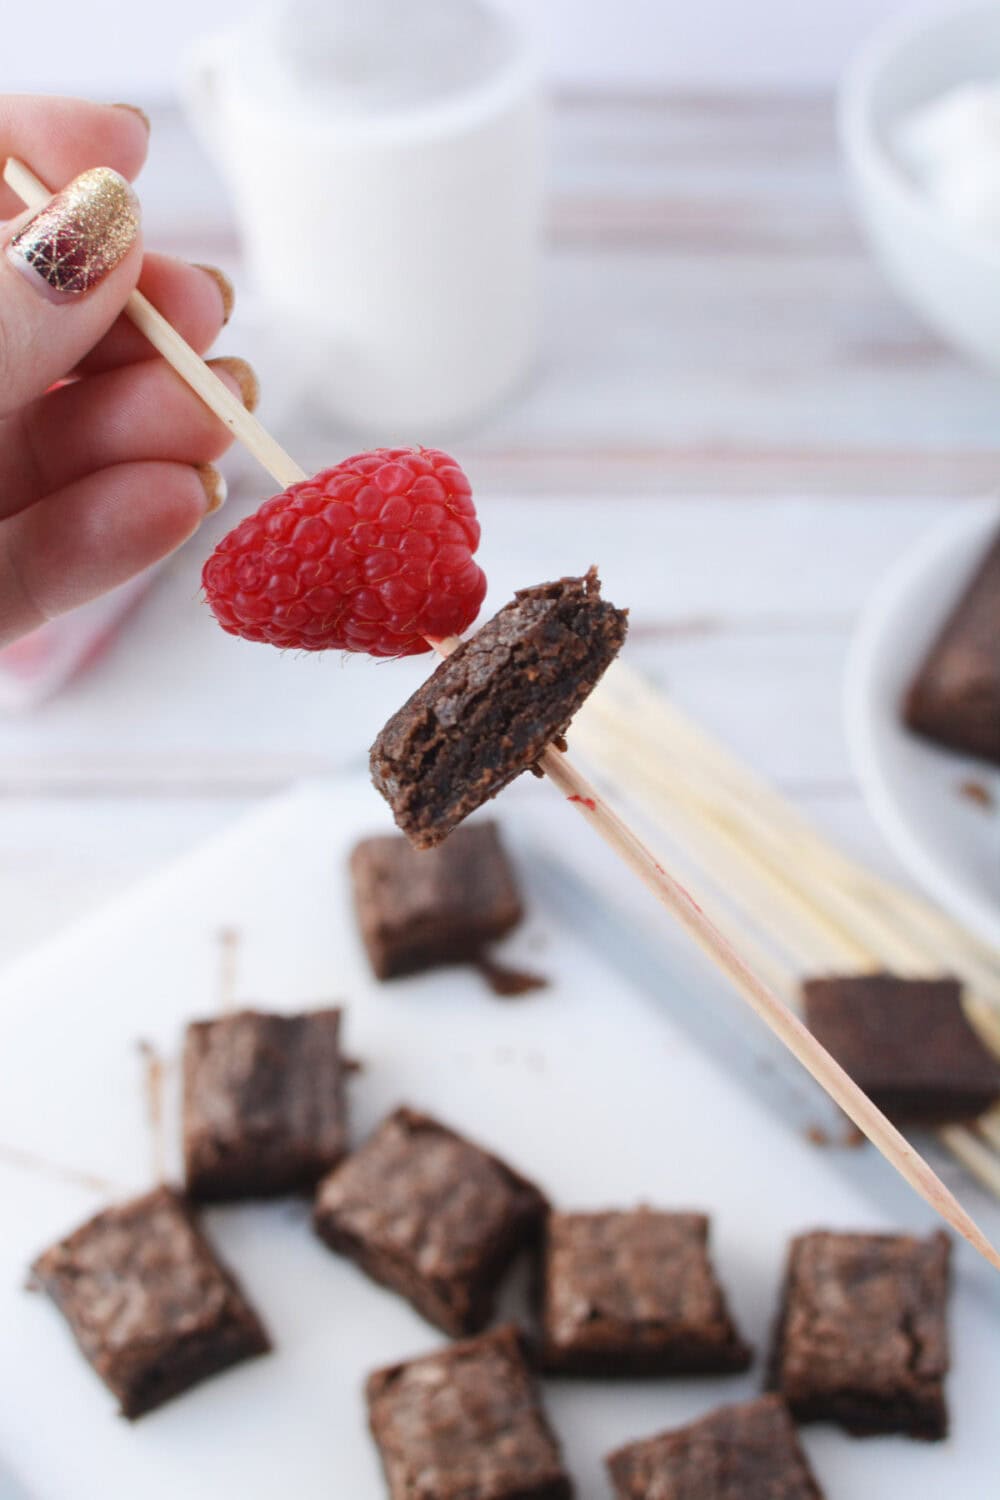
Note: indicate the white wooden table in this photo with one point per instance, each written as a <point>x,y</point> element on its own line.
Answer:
<point>733,417</point>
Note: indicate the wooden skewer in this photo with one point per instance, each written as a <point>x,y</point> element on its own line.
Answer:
<point>783,1022</point>
<point>189,365</point>
<point>883,926</point>
<point>976,1146</point>
<point>578,791</point>
<point>624,696</point>
<point>813,932</point>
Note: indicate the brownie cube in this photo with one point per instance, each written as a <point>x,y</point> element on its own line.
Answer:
<point>466,1424</point>
<point>425,1212</point>
<point>862,1337</point>
<point>264,1105</point>
<point>746,1452</point>
<point>907,1042</point>
<point>634,1294</point>
<point>490,709</point>
<point>955,697</point>
<point>420,908</point>
<point>148,1301</point>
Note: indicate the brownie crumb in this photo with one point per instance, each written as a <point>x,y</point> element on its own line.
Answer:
<point>508,983</point>
<point>977,792</point>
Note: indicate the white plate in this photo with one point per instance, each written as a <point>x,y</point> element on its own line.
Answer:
<point>593,1086</point>
<point>950,844</point>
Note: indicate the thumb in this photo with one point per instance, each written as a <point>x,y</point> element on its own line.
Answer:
<point>66,275</point>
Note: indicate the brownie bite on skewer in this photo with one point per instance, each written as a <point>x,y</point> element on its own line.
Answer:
<point>149,1303</point>
<point>955,697</point>
<point>466,1424</point>
<point>431,1216</point>
<point>264,1103</point>
<point>633,1294</point>
<point>862,1337</point>
<point>420,908</point>
<point>492,706</point>
<point>746,1452</point>
<point>907,1042</point>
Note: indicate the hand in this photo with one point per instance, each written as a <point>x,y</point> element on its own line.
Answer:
<point>104,475</point>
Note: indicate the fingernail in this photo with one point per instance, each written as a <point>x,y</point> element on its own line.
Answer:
<point>225,286</point>
<point>79,237</point>
<point>214,485</point>
<point>135,110</point>
<point>244,375</point>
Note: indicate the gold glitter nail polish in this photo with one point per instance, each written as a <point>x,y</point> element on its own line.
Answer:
<point>134,109</point>
<point>83,233</point>
<point>214,485</point>
<point>244,374</point>
<point>226,290</point>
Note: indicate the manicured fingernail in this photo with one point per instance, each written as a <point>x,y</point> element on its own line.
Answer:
<point>214,485</point>
<point>225,286</point>
<point>135,110</point>
<point>79,237</point>
<point>244,375</point>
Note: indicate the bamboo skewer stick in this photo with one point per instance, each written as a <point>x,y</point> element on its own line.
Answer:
<point>989,1126</point>
<point>765,889</point>
<point>624,697</point>
<point>976,1146</point>
<point>981,1160</point>
<point>577,790</point>
<point>189,365</point>
<point>836,900</point>
<point>875,932</point>
<point>782,1021</point>
<point>809,939</point>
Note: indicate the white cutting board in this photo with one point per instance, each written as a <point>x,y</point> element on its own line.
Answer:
<point>590,1086</point>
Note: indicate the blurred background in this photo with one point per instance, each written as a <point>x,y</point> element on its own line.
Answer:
<point>702,378</point>
<point>632,44</point>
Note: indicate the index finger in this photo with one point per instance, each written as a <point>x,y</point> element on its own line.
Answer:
<point>59,138</point>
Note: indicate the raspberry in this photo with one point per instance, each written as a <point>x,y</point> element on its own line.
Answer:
<point>372,555</point>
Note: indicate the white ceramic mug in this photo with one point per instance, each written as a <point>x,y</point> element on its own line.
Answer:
<point>396,250</point>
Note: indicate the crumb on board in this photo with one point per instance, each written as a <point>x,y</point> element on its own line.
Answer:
<point>509,983</point>
<point>977,792</point>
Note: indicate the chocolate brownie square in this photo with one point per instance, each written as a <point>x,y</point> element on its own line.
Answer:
<point>862,1337</point>
<point>264,1105</point>
<point>417,908</point>
<point>746,1452</point>
<point>147,1300</point>
<point>466,1424</point>
<point>907,1042</point>
<point>955,697</point>
<point>491,708</point>
<point>430,1215</point>
<point>634,1294</point>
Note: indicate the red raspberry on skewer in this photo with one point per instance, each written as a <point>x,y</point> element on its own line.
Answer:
<point>372,555</point>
